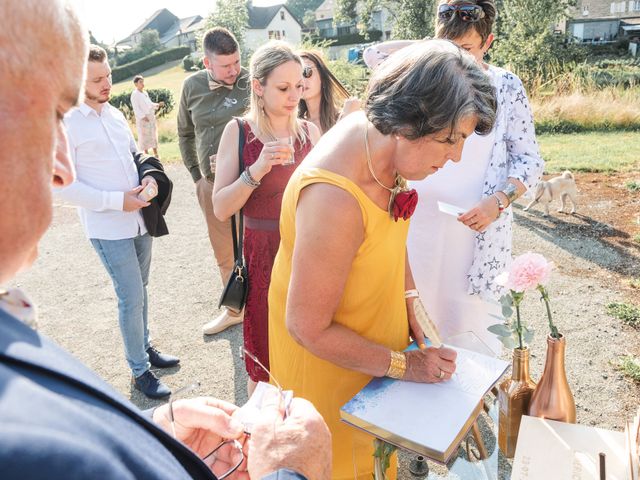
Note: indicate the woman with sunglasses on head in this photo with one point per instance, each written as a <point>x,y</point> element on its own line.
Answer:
<point>324,99</point>
<point>456,274</point>
<point>337,312</point>
<point>275,142</point>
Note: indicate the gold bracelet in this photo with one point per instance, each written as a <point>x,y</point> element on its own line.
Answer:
<point>397,366</point>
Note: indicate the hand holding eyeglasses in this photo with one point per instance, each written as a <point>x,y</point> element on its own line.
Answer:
<point>205,425</point>
<point>300,442</point>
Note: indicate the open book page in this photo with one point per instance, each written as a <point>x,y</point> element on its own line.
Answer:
<point>558,451</point>
<point>427,418</point>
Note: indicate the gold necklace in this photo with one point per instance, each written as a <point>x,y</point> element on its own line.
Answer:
<point>400,184</point>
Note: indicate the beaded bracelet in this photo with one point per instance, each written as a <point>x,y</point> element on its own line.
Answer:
<point>248,179</point>
<point>397,366</point>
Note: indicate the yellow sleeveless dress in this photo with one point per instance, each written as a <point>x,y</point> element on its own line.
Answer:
<point>372,305</point>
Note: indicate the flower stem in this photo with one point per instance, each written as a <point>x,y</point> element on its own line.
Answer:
<point>545,297</point>
<point>517,298</point>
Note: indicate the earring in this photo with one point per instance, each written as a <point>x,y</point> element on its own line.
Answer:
<point>261,105</point>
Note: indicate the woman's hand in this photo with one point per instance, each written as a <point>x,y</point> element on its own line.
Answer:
<point>431,365</point>
<point>351,104</point>
<point>482,215</point>
<point>272,154</point>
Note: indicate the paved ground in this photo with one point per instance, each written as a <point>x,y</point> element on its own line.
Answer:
<point>78,307</point>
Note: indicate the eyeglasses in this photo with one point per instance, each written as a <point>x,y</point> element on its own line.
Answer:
<point>211,457</point>
<point>307,72</point>
<point>466,12</point>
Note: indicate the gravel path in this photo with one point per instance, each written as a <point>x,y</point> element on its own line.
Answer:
<point>77,307</point>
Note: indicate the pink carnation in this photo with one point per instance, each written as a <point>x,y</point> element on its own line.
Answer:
<point>528,271</point>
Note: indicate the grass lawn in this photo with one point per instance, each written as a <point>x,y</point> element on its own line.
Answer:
<point>591,152</point>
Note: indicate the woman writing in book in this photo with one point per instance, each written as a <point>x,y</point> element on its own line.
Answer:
<point>324,99</point>
<point>276,141</point>
<point>455,260</point>
<point>337,313</point>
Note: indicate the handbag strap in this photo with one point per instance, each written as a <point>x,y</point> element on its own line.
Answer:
<point>238,235</point>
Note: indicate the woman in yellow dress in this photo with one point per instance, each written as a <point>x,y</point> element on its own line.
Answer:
<point>337,312</point>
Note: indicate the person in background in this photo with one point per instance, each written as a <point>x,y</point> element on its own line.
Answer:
<point>324,99</point>
<point>276,141</point>
<point>58,419</point>
<point>144,111</point>
<point>455,275</point>
<point>106,191</point>
<point>210,98</point>
<point>337,312</point>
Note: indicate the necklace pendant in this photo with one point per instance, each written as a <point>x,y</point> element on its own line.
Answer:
<point>392,198</point>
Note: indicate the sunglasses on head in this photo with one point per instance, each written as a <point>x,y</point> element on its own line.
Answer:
<point>307,72</point>
<point>466,12</point>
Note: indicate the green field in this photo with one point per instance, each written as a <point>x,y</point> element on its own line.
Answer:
<point>579,152</point>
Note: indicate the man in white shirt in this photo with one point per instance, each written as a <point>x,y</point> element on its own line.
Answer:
<point>145,112</point>
<point>106,190</point>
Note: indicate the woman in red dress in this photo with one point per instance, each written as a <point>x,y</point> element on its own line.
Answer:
<point>276,141</point>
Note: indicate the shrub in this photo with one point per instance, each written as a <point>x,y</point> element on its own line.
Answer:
<point>155,59</point>
<point>633,186</point>
<point>353,77</point>
<point>630,366</point>
<point>187,63</point>
<point>123,102</point>
<point>629,314</point>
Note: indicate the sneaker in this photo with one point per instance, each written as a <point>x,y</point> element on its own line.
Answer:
<point>161,360</point>
<point>222,321</point>
<point>151,386</point>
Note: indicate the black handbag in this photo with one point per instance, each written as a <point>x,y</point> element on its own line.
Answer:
<point>234,295</point>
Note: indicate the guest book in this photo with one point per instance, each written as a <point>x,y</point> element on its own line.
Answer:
<point>430,419</point>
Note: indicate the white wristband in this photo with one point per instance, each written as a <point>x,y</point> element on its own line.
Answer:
<point>413,293</point>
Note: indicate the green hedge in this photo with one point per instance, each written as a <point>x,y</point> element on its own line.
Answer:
<point>123,101</point>
<point>564,126</point>
<point>155,59</point>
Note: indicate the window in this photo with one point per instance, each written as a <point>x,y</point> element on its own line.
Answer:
<point>281,14</point>
<point>585,10</point>
<point>284,34</point>
<point>618,7</point>
<point>634,5</point>
<point>274,35</point>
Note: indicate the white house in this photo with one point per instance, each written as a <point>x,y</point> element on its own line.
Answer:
<point>275,22</point>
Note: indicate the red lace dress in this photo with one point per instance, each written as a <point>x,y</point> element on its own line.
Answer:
<point>261,241</point>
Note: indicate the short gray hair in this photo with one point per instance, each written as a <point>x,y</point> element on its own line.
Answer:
<point>22,39</point>
<point>429,87</point>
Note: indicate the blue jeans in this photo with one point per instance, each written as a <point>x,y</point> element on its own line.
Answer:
<point>127,262</point>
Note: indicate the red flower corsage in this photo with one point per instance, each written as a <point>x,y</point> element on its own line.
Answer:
<point>403,204</point>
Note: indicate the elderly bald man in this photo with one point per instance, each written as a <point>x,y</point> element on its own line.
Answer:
<point>57,418</point>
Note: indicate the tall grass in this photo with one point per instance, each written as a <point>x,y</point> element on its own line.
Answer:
<point>588,109</point>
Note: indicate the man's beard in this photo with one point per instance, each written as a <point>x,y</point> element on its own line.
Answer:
<point>94,98</point>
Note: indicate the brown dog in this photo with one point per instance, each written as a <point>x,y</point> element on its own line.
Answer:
<point>563,186</point>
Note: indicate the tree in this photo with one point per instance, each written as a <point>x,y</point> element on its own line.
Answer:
<point>527,41</point>
<point>414,19</point>
<point>309,19</point>
<point>232,15</point>
<point>300,7</point>
<point>149,41</point>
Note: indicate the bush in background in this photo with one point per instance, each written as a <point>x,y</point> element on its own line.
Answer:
<point>122,102</point>
<point>155,59</point>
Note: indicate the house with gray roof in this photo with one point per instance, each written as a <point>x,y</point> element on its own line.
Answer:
<point>173,31</point>
<point>274,22</point>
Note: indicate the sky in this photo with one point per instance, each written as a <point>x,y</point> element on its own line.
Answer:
<point>116,19</point>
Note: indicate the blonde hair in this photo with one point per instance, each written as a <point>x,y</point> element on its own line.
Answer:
<point>263,62</point>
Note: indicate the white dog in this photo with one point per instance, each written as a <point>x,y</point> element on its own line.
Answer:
<point>563,186</point>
